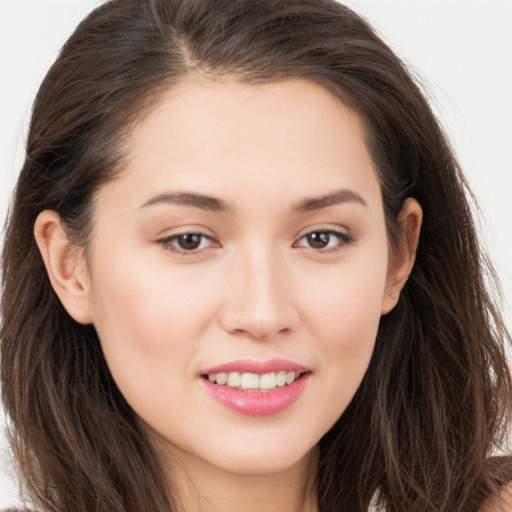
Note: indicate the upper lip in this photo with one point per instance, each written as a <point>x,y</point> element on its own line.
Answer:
<point>258,367</point>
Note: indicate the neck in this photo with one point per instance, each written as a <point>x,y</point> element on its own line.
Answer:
<point>203,488</point>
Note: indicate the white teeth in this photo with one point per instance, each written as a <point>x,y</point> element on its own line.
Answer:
<point>250,381</point>
<point>234,379</point>
<point>281,378</point>
<point>222,378</point>
<point>266,381</point>
<point>290,377</point>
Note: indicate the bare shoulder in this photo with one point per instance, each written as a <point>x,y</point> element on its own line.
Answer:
<point>502,503</point>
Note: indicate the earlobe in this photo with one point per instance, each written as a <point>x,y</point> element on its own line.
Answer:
<point>404,254</point>
<point>65,266</point>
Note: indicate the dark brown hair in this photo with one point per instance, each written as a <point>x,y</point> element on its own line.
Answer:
<point>436,400</point>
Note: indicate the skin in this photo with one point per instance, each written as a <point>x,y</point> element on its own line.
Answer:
<point>502,503</point>
<point>254,288</point>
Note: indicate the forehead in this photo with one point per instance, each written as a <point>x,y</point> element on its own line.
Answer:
<point>226,138</point>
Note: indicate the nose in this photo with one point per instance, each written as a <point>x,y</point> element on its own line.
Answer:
<point>260,301</point>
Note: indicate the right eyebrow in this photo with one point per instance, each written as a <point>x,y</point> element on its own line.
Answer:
<point>204,202</point>
<point>338,197</point>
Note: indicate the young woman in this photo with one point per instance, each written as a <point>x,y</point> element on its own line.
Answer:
<point>240,273</point>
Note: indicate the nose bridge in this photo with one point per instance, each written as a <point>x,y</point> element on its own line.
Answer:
<point>261,304</point>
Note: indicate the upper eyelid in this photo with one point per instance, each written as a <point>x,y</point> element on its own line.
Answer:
<point>169,244</point>
<point>343,239</point>
<point>333,232</point>
<point>183,233</point>
<point>342,231</point>
<point>183,230</point>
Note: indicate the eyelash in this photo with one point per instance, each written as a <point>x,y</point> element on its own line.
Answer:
<point>342,239</point>
<point>170,243</point>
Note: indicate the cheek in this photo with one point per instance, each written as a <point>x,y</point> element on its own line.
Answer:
<point>141,293</point>
<point>343,319</point>
<point>147,315</point>
<point>346,308</point>
<point>347,328</point>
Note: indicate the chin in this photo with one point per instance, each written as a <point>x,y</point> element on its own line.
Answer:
<point>262,457</point>
<point>263,464</point>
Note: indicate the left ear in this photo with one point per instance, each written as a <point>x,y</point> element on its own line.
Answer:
<point>403,254</point>
<point>65,266</point>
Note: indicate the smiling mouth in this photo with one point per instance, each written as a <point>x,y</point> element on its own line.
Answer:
<point>253,381</point>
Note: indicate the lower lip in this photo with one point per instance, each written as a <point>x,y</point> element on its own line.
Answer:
<point>257,403</point>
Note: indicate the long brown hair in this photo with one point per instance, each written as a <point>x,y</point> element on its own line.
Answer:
<point>435,403</point>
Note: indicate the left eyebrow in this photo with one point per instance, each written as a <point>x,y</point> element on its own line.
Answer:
<point>200,201</point>
<point>338,197</point>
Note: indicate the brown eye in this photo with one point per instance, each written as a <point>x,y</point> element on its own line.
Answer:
<point>189,241</point>
<point>319,240</point>
<point>324,240</point>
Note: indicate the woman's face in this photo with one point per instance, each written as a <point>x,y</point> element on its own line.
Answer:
<point>245,241</point>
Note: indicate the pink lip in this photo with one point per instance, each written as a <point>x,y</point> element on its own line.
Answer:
<point>257,403</point>
<point>258,367</point>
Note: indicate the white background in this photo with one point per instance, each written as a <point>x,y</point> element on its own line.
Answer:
<point>461,49</point>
